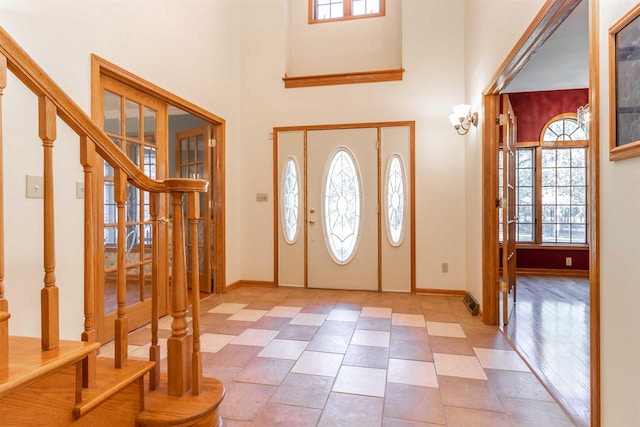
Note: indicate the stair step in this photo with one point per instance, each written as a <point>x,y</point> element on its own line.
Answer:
<point>109,381</point>
<point>188,410</point>
<point>28,362</point>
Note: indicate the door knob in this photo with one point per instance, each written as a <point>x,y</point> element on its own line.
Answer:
<point>311,211</point>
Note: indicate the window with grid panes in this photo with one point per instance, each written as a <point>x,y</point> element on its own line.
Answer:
<point>333,10</point>
<point>525,194</point>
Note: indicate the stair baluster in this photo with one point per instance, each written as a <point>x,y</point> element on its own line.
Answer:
<point>193,213</point>
<point>87,154</point>
<point>154,349</point>
<point>47,116</point>
<point>121,322</point>
<point>179,344</point>
<point>4,304</point>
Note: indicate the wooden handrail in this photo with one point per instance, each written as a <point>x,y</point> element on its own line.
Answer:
<point>25,69</point>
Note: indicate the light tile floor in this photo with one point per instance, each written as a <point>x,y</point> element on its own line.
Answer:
<point>301,357</point>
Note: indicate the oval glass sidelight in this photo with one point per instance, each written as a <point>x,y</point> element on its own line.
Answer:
<point>395,199</point>
<point>342,206</point>
<point>290,201</point>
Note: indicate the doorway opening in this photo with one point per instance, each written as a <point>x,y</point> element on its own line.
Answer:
<point>552,15</point>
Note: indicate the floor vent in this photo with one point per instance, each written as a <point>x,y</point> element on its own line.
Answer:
<point>471,304</point>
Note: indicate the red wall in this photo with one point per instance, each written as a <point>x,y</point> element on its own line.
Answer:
<point>550,259</point>
<point>534,109</point>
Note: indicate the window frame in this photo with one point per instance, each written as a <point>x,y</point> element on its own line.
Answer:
<point>346,12</point>
<point>538,147</point>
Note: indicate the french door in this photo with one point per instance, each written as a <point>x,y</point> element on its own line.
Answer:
<point>137,124</point>
<point>509,222</point>
<point>193,160</point>
<point>343,209</point>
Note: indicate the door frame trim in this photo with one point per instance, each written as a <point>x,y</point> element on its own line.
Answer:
<point>99,67</point>
<point>551,15</point>
<point>412,188</point>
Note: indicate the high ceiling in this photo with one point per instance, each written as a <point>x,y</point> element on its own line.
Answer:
<point>563,61</point>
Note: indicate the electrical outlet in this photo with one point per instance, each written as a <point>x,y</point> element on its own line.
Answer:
<point>445,267</point>
<point>262,197</point>
<point>35,187</point>
<point>568,261</point>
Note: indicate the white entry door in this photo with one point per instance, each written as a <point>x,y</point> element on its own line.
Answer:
<point>342,209</point>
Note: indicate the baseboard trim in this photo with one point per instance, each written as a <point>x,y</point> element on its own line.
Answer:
<point>254,283</point>
<point>552,272</point>
<point>443,292</point>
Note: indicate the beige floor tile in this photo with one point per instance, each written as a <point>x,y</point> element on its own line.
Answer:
<point>255,337</point>
<point>382,312</point>
<point>397,422</point>
<point>228,308</point>
<point>248,315</point>
<point>411,350</point>
<point>465,417</point>
<point>371,338</point>
<point>363,381</point>
<point>409,333</point>
<point>333,327</point>
<point>213,343</point>
<point>316,363</point>
<point>458,366</point>
<point>329,343</point>
<point>412,404</point>
<point>275,414</point>
<point>236,405</point>
<point>263,370</point>
<point>442,329</point>
<point>352,411</point>
<point>310,391</point>
<point>308,319</point>
<point>412,372</point>
<point>366,356</point>
<point>507,360</point>
<point>236,356</point>
<point>374,324</point>
<point>468,393</point>
<point>521,385</point>
<point>284,349</point>
<point>451,346</point>
<point>523,412</point>
<point>401,319</point>
<point>283,311</point>
<point>297,332</point>
<point>344,315</point>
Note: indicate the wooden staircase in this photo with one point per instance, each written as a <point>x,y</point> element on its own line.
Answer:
<point>46,381</point>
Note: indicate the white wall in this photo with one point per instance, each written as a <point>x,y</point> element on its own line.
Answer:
<point>188,47</point>
<point>619,257</point>
<point>432,84</point>
<point>343,46</point>
<point>492,28</point>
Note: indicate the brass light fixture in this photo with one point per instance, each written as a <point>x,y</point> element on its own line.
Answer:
<point>462,118</point>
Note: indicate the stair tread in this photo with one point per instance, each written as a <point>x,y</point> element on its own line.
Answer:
<point>29,363</point>
<point>109,381</point>
<point>162,409</point>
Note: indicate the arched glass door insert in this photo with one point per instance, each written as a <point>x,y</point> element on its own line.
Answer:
<point>395,197</point>
<point>342,205</point>
<point>290,201</point>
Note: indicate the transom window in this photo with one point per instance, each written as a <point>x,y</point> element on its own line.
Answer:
<point>334,10</point>
<point>560,189</point>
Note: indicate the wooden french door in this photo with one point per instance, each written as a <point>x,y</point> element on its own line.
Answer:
<point>137,124</point>
<point>509,218</point>
<point>193,160</point>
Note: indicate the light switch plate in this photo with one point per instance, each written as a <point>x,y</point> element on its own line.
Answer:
<point>79,190</point>
<point>35,187</point>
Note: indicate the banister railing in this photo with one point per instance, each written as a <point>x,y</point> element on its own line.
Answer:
<point>184,366</point>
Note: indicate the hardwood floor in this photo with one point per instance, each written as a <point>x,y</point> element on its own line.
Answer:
<point>550,329</point>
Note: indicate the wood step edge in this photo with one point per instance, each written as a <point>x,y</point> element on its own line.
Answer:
<point>109,381</point>
<point>164,410</point>
<point>28,362</point>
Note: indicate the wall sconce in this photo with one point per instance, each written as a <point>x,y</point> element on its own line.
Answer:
<point>462,118</point>
<point>584,117</point>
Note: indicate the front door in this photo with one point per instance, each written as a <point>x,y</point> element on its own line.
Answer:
<point>508,283</point>
<point>342,209</point>
<point>193,160</point>
<point>137,124</point>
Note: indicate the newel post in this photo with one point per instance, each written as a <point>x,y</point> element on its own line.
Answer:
<point>4,304</point>
<point>47,116</point>
<point>179,344</point>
